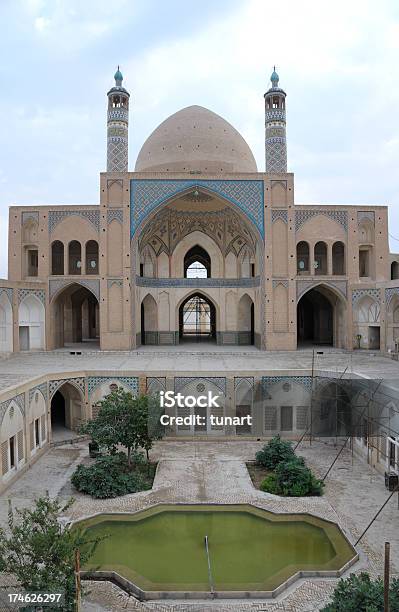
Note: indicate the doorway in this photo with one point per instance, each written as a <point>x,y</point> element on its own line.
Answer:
<point>197,320</point>
<point>374,338</point>
<point>23,338</point>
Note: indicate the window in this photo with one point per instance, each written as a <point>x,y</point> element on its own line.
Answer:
<point>141,269</point>
<point>286,418</point>
<point>302,257</point>
<point>338,258</point>
<point>253,270</point>
<point>364,267</point>
<point>197,263</point>
<point>57,257</point>
<point>75,256</point>
<point>33,262</point>
<point>391,455</point>
<point>37,434</point>
<point>92,257</point>
<point>12,452</point>
<point>320,258</point>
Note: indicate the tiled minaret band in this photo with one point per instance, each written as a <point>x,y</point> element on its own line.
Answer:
<point>117,126</point>
<point>275,128</point>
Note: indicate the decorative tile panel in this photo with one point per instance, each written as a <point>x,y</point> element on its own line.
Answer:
<point>269,381</point>
<point>8,291</point>
<point>275,283</point>
<point>366,214</point>
<point>18,399</point>
<point>143,281</point>
<point>390,293</point>
<point>132,382</point>
<point>39,293</point>
<point>79,383</point>
<point>239,380</point>
<point>340,216</point>
<point>29,216</point>
<point>41,388</point>
<point>181,382</point>
<point>147,194</point>
<point>92,285</point>
<point>280,214</point>
<point>114,281</point>
<point>156,384</point>
<point>357,294</point>
<point>115,214</point>
<point>56,216</point>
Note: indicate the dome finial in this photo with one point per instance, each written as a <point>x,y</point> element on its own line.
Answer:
<point>118,76</point>
<point>274,77</point>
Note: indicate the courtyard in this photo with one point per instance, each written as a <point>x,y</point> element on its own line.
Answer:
<point>200,471</point>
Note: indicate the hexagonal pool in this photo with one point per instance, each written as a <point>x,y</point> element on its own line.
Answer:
<point>161,552</point>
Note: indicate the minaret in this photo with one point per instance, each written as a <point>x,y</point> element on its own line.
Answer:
<point>275,134</point>
<point>117,126</point>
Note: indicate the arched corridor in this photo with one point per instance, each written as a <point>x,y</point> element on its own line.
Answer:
<point>75,317</point>
<point>321,318</point>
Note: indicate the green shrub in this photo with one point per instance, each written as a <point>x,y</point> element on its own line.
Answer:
<point>274,452</point>
<point>269,484</point>
<point>292,479</point>
<point>110,476</point>
<point>359,593</point>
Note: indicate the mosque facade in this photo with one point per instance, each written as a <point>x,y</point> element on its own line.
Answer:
<point>195,245</point>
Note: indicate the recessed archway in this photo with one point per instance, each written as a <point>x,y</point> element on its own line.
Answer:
<point>149,320</point>
<point>246,320</point>
<point>75,317</point>
<point>67,411</point>
<point>197,319</point>
<point>321,315</point>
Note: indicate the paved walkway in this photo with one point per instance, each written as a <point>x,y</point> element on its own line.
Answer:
<point>198,471</point>
<point>179,360</point>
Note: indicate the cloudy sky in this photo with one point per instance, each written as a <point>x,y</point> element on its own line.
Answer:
<point>338,62</point>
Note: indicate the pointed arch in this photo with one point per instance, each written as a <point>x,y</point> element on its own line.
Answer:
<point>322,316</point>
<point>149,320</point>
<point>31,318</point>
<point>246,320</point>
<point>6,327</point>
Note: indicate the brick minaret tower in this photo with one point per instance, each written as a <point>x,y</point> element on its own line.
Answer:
<point>117,126</point>
<point>275,128</point>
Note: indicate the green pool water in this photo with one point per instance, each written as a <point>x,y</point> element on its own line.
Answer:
<point>250,549</point>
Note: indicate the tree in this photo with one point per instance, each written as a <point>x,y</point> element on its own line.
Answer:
<point>147,424</point>
<point>124,420</point>
<point>40,552</point>
<point>359,593</point>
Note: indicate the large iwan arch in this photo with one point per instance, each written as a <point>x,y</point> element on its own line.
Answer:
<point>322,317</point>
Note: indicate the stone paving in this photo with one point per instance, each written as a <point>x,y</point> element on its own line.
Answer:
<point>173,361</point>
<point>203,471</point>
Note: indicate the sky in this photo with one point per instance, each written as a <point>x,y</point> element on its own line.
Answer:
<point>338,62</point>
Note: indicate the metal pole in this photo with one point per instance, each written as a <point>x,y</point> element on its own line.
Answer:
<point>209,564</point>
<point>77,581</point>
<point>311,401</point>
<point>386,578</point>
<point>376,516</point>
